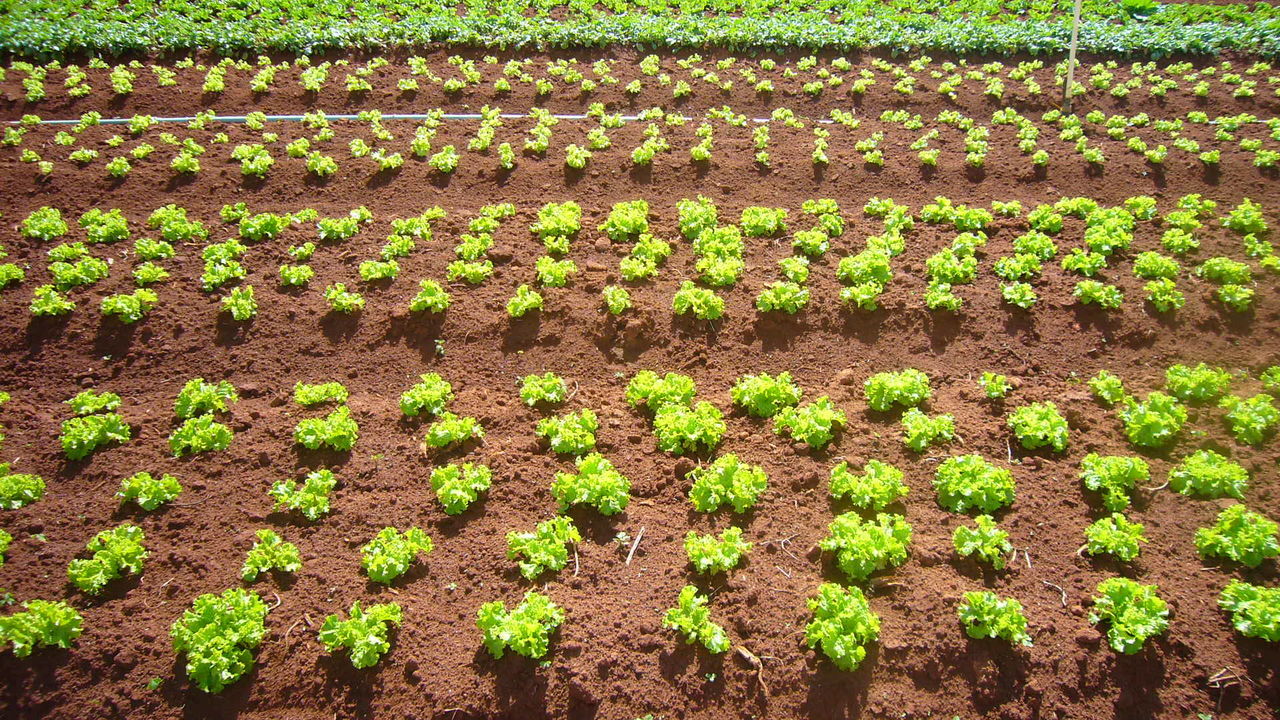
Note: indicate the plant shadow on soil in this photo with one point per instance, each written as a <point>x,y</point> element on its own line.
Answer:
<point>518,682</point>
<point>522,333</point>
<point>419,331</point>
<point>685,657</point>
<point>179,691</point>
<point>230,332</point>
<point>114,338</point>
<point>340,327</point>
<point>834,693</point>
<point>1261,676</point>
<point>995,670</point>
<point>23,678</point>
<point>778,332</point>
<point>1139,678</point>
<point>43,329</point>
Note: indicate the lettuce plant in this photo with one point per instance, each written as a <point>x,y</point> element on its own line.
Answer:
<point>692,618</point>
<point>343,301</point>
<point>1133,613</point>
<point>1206,474</point>
<point>149,492</point>
<point>709,555</point>
<point>696,216</point>
<point>457,486</point>
<point>1114,476</point>
<point>240,303</point>
<point>526,629</point>
<point>525,300</point>
<point>40,624</point>
<point>46,301</point>
<point>1199,385</point>
<point>364,633</point>
<point>559,220</point>
<point>44,224</point>
<point>431,297</point>
<point>1154,422</point>
<point>1255,610</point>
<point>702,303</point>
<point>1253,419</point>
<point>966,482</point>
<point>627,220</point>
<point>985,540</point>
<point>863,547</point>
<point>431,395</point>
<point>88,402</point>
<point>269,553</point>
<point>866,274</point>
<point>83,435</point>
<point>906,388</point>
<point>199,434</point>
<point>764,395</point>
<point>987,615</point>
<point>1114,535</point>
<point>472,272</point>
<point>1236,297</point>
<point>219,634</point>
<point>18,490</point>
<point>919,431</point>
<point>1040,424</point>
<point>1225,271</point>
<point>545,389</point>
<point>879,485</point>
<point>198,397</point>
<point>309,395</point>
<point>451,429</point>
<point>616,299</point>
<point>681,429</point>
<point>648,389</point>
<point>554,273</point>
<point>115,552</point>
<point>573,433</point>
<point>762,221</point>
<point>132,307</point>
<point>843,624</point>
<point>814,423</point>
<point>337,430</point>
<point>994,386</point>
<point>85,271</point>
<point>727,481</point>
<point>1240,535</point>
<point>1093,292</point>
<point>597,483</point>
<point>1270,378</point>
<point>788,297</point>
<point>544,548</point>
<point>390,553</point>
<point>1152,265</point>
<point>311,499</point>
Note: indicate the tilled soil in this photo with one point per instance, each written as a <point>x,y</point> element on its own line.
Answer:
<point>612,658</point>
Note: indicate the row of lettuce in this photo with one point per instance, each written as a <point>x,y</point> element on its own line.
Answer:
<point>690,78</point>
<point>220,632</point>
<point>50,27</point>
<point>838,140</point>
<point>719,247</point>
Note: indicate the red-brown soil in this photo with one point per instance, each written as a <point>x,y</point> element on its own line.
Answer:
<point>611,658</point>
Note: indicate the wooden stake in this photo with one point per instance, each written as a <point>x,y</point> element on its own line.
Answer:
<point>1071,57</point>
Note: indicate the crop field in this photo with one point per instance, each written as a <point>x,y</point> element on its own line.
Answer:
<point>639,360</point>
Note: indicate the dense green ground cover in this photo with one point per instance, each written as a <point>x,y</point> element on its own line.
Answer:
<point>1142,27</point>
